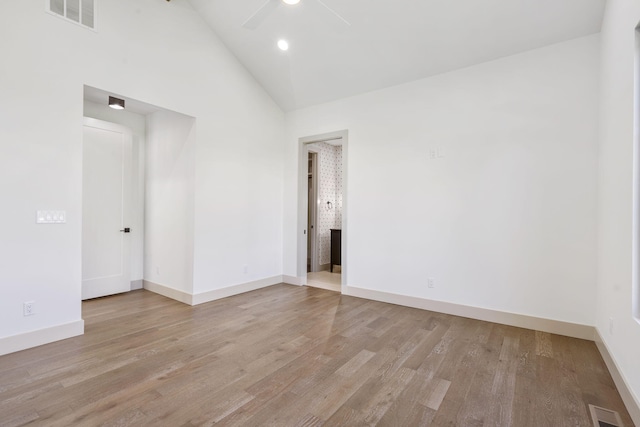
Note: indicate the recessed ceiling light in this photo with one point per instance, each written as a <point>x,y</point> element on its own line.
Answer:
<point>291,1</point>
<point>283,44</point>
<point>116,103</point>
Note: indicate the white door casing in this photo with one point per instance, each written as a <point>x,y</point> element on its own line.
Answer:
<point>106,208</point>
<point>312,235</point>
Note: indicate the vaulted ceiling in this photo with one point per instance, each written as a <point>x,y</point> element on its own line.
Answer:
<point>386,42</point>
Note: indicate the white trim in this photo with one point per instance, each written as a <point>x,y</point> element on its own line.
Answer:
<point>559,327</point>
<point>312,233</point>
<point>629,399</point>
<point>201,298</point>
<point>137,284</point>
<point>235,290</point>
<point>39,337</point>
<point>344,246</point>
<point>635,233</point>
<point>168,292</point>
<point>292,280</point>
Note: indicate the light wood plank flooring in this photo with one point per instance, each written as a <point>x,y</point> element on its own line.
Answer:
<point>326,280</point>
<point>300,356</point>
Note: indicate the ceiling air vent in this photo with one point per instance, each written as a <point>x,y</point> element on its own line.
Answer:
<point>605,417</point>
<point>81,12</point>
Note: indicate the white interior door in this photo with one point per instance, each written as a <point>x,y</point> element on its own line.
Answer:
<point>106,209</point>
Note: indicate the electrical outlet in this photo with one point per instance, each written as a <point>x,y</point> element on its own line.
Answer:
<point>29,308</point>
<point>245,269</point>
<point>431,282</point>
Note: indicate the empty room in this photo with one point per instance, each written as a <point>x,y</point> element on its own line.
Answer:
<point>320,213</point>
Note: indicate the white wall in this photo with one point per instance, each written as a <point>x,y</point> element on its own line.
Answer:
<point>615,202</point>
<point>506,219</point>
<point>138,124</point>
<point>238,206</point>
<point>158,52</point>
<point>169,201</point>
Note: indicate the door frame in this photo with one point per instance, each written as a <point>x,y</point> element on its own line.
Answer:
<point>313,232</point>
<point>635,270</point>
<point>303,202</point>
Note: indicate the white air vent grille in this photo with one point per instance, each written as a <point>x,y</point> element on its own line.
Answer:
<point>605,417</point>
<point>81,12</point>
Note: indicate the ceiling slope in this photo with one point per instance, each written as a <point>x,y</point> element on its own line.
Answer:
<point>389,42</point>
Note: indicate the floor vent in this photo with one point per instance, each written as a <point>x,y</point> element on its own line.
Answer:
<point>605,417</point>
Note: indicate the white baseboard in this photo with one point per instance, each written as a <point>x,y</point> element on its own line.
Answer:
<point>629,399</point>
<point>234,290</point>
<point>137,284</point>
<point>39,337</point>
<point>559,327</point>
<point>293,280</point>
<point>201,298</point>
<point>168,292</point>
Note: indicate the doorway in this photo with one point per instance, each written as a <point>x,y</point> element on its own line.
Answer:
<point>322,258</point>
<point>133,121</point>
<point>158,189</point>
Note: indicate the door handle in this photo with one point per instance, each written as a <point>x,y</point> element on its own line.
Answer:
<point>126,230</point>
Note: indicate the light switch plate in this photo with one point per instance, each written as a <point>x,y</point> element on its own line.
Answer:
<point>51,217</point>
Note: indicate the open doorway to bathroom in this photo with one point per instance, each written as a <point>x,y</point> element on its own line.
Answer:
<point>324,159</point>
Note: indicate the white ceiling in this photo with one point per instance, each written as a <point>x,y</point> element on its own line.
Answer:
<point>389,42</point>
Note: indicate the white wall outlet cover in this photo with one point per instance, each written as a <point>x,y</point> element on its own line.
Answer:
<point>28,308</point>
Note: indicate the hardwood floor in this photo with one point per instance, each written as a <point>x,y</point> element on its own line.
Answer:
<point>326,280</point>
<point>300,356</point>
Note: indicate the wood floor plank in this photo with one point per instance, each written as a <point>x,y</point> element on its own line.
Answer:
<point>437,394</point>
<point>378,404</point>
<point>544,347</point>
<point>297,356</point>
<point>408,407</point>
<point>504,384</point>
<point>477,404</point>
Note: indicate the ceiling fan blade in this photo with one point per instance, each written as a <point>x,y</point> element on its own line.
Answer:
<point>334,12</point>
<point>261,14</point>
